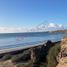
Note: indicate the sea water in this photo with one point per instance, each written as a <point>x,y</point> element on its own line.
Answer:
<point>12,40</point>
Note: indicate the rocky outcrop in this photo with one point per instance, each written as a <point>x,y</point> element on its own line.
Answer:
<point>40,51</point>
<point>62,57</point>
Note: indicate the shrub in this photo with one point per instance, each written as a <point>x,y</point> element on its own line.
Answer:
<point>20,57</point>
<point>6,57</point>
<point>52,54</point>
<point>28,64</point>
<point>16,58</point>
<point>21,65</point>
<point>43,65</point>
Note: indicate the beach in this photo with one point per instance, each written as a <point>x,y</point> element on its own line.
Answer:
<point>6,50</point>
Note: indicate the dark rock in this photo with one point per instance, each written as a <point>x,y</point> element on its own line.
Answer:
<point>33,54</point>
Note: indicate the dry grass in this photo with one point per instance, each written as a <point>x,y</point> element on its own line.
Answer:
<point>7,63</point>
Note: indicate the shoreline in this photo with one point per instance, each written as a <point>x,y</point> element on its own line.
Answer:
<point>8,50</point>
<point>18,48</point>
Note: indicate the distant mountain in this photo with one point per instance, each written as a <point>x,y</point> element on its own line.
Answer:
<point>64,31</point>
<point>47,27</point>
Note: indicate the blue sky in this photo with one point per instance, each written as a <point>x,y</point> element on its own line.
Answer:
<point>28,13</point>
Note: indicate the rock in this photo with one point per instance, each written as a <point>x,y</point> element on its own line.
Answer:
<point>39,53</point>
<point>62,57</point>
<point>64,42</point>
<point>25,55</point>
<point>62,62</point>
<point>33,54</point>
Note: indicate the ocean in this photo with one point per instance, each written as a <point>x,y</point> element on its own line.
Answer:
<point>12,40</point>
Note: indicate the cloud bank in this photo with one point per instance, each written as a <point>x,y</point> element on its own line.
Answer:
<point>39,28</point>
<point>12,30</point>
<point>47,27</point>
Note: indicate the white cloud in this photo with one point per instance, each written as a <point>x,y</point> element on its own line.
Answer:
<point>48,27</point>
<point>60,25</point>
<point>52,25</point>
<point>55,25</point>
<point>40,28</point>
<point>12,30</point>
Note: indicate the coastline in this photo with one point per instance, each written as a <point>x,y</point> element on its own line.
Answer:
<point>27,55</point>
<point>8,50</point>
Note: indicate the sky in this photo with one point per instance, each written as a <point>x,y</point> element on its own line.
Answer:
<point>29,13</point>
